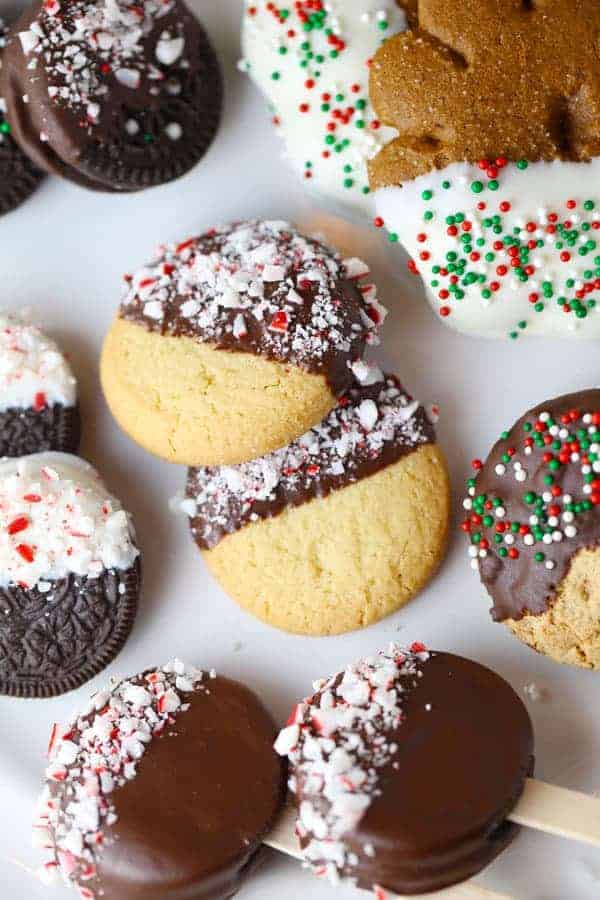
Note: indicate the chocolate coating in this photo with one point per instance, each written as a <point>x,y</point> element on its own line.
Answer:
<point>25,431</point>
<point>175,113</point>
<point>334,454</point>
<point>53,642</point>
<point>457,765</point>
<point>295,300</point>
<point>526,585</point>
<point>191,822</point>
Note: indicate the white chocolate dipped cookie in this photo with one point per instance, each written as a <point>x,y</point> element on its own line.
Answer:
<point>491,183</point>
<point>311,61</point>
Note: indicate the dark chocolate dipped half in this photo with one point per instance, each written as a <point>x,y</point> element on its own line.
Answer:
<point>260,287</point>
<point>534,503</point>
<point>163,789</point>
<point>373,426</point>
<point>405,767</point>
<point>69,575</point>
<point>112,95</point>
<point>38,393</point>
<point>18,176</point>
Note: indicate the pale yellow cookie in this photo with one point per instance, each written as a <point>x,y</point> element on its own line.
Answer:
<point>569,631</point>
<point>339,528</point>
<point>232,344</point>
<point>191,403</point>
<point>344,561</point>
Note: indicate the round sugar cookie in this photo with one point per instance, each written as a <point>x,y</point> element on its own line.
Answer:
<point>533,521</point>
<point>161,789</point>
<point>336,530</point>
<point>39,409</point>
<point>69,575</point>
<point>404,768</point>
<point>316,81</point>
<point>232,344</point>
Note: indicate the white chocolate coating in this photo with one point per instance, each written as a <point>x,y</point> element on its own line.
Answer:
<point>57,518</point>
<point>33,371</point>
<point>273,56</point>
<point>550,290</point>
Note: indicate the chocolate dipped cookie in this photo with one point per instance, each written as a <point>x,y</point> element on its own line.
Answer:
<point>161,789</point>
<point>404,768</point>
<point>38,393</point>
<point>18,176</point>
<point>312,64</point>
<point>355,513</point>
<point>111,94</point>
<point>492,182</point>
<point>230,345</point>
<point>534,528</point>
<point>69,575</point>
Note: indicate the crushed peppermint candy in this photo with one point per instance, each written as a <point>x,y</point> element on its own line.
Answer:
<point>92,757</point>
<point>260,286</point>
<point>337,742</point>
<point>34,373</point>
<point>85,47</point>
<point>373,426</point>
<point>57,518</point>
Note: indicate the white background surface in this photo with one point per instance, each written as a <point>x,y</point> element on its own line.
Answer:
<point>63,253</point>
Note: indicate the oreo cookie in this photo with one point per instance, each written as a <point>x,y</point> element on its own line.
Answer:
<point>162,788</point>
<point>18,176</point>
<point>138,105</point>
<point>69,575</point>
<point>38,393</point>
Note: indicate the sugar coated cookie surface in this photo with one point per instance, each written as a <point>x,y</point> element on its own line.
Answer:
<point>137,103</point>
<point>163,788</point>
<point>496,197</point>
<point>355,512</point>
<point>69,574</point>
<point>233,343</point>
<point>534,528</point>
<point>312,63</point>
<point>405,767</point>
<point>38,392</point>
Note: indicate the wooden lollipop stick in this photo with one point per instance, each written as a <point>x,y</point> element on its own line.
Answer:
<point>283,839</point>
<point>556,810</point>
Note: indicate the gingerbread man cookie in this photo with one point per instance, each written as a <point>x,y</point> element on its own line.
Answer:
<point>492,182</point>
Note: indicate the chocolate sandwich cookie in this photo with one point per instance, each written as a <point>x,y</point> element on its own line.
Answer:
<point>231,344</point>
<point>69,575</point>
<point>405,767</point>
<point>18,176</point>
<point>38,393</point>
<point>533,522</point>
<point>112,95</point>
<point>495,193</point>
<point>355,512</point>
<point>162,789</point>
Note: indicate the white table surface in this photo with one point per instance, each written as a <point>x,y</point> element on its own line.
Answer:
<point>63,254</point>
